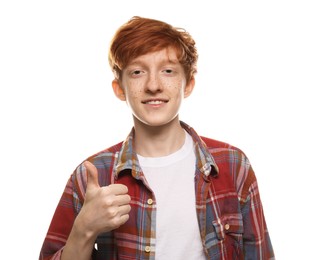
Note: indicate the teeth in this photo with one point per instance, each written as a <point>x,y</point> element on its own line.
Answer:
<point>155,102</point>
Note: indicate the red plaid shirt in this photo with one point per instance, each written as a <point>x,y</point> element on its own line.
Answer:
<point>228,205</point>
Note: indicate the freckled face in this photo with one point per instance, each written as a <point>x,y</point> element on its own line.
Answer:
<point>154,86</point>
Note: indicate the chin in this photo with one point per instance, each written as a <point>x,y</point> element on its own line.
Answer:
<point>156,122</point>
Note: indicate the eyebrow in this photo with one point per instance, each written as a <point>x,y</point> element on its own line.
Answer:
<point>137,61</point>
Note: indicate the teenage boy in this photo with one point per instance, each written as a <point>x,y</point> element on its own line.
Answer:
<point>165,192</point>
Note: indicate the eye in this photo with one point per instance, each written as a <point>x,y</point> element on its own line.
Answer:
<point>136,73</point>
<point>169,72</point>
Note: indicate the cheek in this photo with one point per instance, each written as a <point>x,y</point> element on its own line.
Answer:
<point>133,91</point>
<point>176,86</point>
<point>134,94</point>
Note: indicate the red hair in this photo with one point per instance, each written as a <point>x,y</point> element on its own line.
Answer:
<point>140,36</point>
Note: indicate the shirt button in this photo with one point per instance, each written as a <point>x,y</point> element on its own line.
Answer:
<point>150,201</point>
<point>147,249</point>
<point>227,226</point>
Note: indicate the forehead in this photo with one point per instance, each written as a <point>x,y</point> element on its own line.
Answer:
<point>167,55</point>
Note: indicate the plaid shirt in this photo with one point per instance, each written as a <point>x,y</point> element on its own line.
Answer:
<point>228,205</point>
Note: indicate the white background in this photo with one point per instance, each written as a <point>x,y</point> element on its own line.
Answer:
<point>57,105</point>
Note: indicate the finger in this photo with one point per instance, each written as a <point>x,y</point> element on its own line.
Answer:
<point>92,175</point>
<point>124,209</point>
<point>120,200</point>
<point>123,199</point>
<point>123,219</point>
<point>118,189</point>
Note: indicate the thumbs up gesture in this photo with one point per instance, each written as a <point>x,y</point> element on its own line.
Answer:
<point>104,208</point>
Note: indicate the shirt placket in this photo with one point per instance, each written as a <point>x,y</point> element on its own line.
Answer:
<point>149,201</point>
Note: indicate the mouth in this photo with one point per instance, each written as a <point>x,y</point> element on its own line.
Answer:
<point>155,101</point>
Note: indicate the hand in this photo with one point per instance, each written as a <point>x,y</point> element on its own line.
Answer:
<point>104,208</point>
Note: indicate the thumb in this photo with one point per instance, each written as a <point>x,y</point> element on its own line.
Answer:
<point>92,175</point>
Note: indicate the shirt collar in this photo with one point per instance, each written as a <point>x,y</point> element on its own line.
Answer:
<point>205,163</point>
<point>126,158</point>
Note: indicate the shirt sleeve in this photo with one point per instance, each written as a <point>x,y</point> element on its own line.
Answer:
<point>256,239</point>
<point>60,226</point>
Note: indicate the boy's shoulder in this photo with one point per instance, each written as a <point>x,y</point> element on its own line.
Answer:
<point>216,144</point>
<point>221,150</point>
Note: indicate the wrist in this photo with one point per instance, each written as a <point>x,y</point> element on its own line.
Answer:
<point>80,243</point>
<point>82,231</point>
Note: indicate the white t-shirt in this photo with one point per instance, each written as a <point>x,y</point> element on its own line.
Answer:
<point>172,180</point>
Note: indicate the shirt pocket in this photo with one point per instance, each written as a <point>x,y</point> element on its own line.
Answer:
<point>229,231</point>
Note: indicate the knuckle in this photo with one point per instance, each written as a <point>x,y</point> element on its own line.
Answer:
<point>128,208</point>
<point>125,189</point>
<point>106,191</point>
<point>116,222</point>
<point>112,212</point>
<point>108,201</point>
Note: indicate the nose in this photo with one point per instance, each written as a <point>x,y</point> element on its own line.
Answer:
<point>153,84</point>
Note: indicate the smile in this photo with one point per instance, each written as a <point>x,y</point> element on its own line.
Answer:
<point>154,102</point>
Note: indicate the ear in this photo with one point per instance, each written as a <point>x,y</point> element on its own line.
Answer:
<point>189,87</point>
<point>118,90</point>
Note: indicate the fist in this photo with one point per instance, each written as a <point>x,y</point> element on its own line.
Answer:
<point>104,208</point>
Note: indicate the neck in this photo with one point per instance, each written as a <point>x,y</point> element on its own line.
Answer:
<point>157,141</point>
